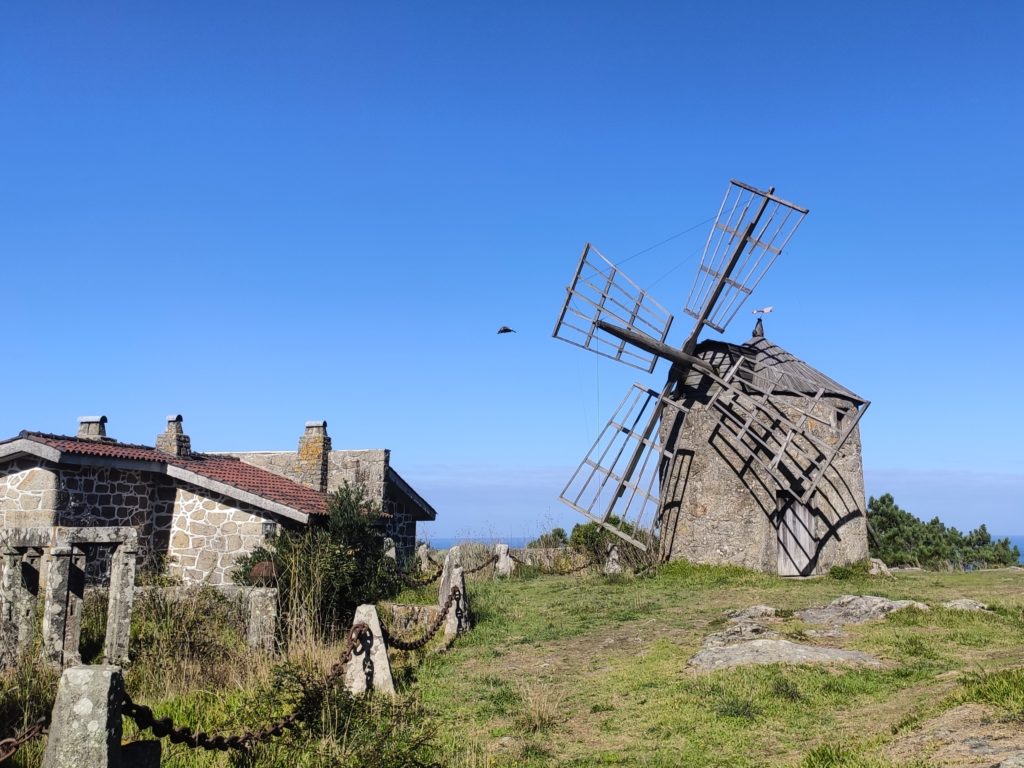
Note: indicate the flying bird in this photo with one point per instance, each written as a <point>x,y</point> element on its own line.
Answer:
<point>763,311</point>
<point>505,329</point>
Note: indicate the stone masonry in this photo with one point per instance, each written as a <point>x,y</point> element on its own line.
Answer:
<point>28,493</point>
<point>198,512</point>
<point>208,535</point>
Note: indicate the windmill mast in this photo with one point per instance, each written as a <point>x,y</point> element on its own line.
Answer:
<point>688,347</point>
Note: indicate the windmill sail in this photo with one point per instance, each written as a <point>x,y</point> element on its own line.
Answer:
<point>601,291</point>
<point>605,489</point>
<point>752,228</point>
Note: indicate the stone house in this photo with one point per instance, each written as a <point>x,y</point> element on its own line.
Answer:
<point>720,506</point>
<point>198,511</point>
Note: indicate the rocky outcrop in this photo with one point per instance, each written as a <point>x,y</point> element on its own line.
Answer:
<point>856,609</point>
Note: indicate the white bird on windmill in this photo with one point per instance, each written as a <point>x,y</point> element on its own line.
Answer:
<point>763,311</point>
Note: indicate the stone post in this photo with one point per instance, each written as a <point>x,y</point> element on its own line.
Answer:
<point>85,730</point>
<point>611,560</point>
<point>55,603</point>
<point>261,628</point>
<point>369,668</point>
<point>457,620</point>
<point>75,606</point>
<point>390,551</point>
<point>119,603</point>
<point>26,595</point>
<point>423,558</point>
<point>451,560</point>
<point>505,566</point>
<point>10,649</point>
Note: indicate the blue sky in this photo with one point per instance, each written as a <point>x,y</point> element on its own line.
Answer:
<point>257,214</point>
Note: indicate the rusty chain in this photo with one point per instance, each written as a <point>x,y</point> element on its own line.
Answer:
<point>454,597</point>
<point>554,571</point>
<point>490,561</point>
<point>411,581</point>
<point>164,726</point>
<point>10,746</point>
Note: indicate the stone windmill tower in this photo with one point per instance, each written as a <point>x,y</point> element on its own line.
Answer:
<point>747,455</point>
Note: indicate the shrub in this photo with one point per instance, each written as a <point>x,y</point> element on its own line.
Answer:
<point>858,570</point>
<point>325,571</point>
<point>899,538</point>
<point>339,729</point>
<point>185,638</point>
<point>553,539</point>
<point>593,540</point>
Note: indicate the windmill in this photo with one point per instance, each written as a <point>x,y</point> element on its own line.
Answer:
<point>619,482</point>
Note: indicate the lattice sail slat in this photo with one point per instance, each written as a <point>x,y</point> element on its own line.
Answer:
<point>759,225</point>
<point>602,488</point>
<point>601,291</point>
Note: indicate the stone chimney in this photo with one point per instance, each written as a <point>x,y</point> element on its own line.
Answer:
<point>173,440</point>
<point>314,456</point>
<point>92,427</point>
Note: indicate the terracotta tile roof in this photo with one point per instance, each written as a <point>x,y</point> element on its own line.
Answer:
<point>223,469</point>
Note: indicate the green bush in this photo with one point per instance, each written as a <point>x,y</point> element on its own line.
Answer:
<point>553,539</point>
<point>338,729</point>
<point>858,570</point>
<point>899,538</point>
<point>593,540</point>
<point>325,571</point>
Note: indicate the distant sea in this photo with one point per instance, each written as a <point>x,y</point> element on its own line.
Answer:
<point>445,542</point>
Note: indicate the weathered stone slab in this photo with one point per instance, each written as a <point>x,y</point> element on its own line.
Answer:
<point>55,606</point>
<point>452,559</point>
<point>856,609</point>
<point>85,731</point>
<point>369,669</point>
<point>740,631</point>
<point>753,612</point>
<point>261,621</point>
<point>878,568</point>
<point>423,558</point>
<point>458,619</point>
<point>612,565</point>
<point>390,551</point>
<point>776,651</point>
<point>505,566</point>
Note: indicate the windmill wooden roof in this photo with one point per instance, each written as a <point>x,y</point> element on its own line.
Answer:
<point>772,368</point>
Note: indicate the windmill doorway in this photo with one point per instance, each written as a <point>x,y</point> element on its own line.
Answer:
<point>797,546</point>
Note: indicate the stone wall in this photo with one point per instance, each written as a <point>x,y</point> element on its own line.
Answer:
<point>208,534</point>
<point>722,508</point>
<point>28,494</point>
<point>367,469</point>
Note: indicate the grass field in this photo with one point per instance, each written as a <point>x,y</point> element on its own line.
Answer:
<point>589,670</point>
<point>593,671</point>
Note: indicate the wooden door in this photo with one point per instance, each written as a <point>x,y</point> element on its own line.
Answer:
<point>796,539</point>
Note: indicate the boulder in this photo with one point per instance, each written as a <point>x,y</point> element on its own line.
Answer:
<point>878,568</point>
<point>753,612</point>
<point>856,609</point>
<point>771,650</point>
